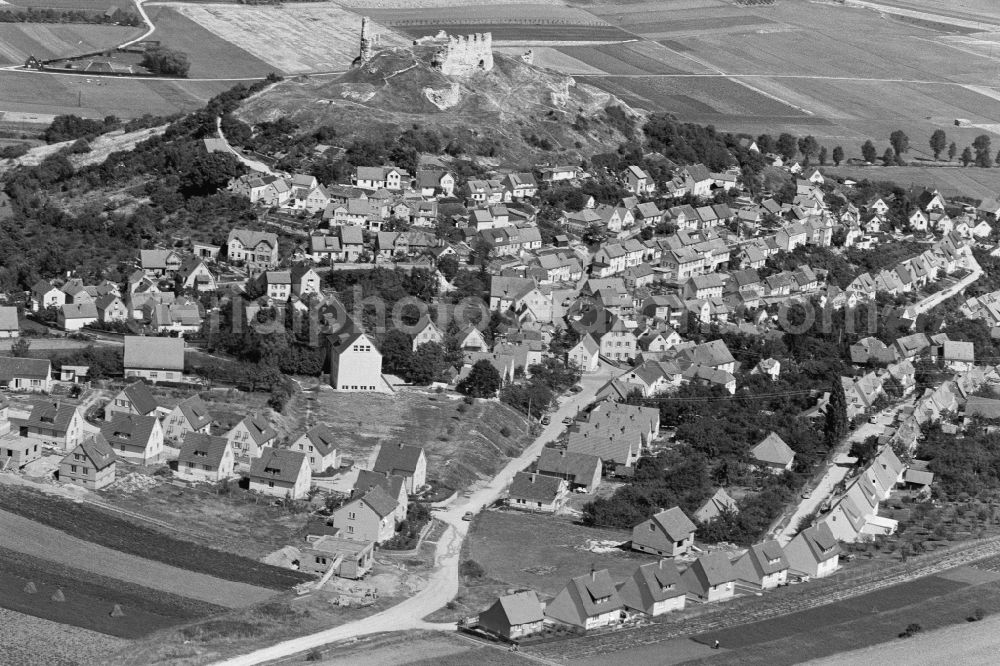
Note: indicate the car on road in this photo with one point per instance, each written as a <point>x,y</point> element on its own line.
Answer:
<point>468,515</point>
<point>567,420</point>
<point>807,494</point>
<point>575,389</point>
<point>546,420</point>
<point>873,419</point>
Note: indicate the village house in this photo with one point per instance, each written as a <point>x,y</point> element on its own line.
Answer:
<point>409,462</point>
<point>33,375</point>
<point>258,250</point>
<point>189,415</point>
<point>711,577</point>
<point>589,601</point>
<point>111,309</point>
<point>319,445</point>
<point>280,473</point>
<point>16,451</point>
<point>56,424</point>
<point>715,506</point>
<point>653,589</point>
<point>514,616</point>
<point>536,492</point>
<point>251,435</point>
<point>668,533</point>
<point>159,263</point>
<point>154,359</point>
<point>772,455</point>
<point>580,470</point>
<point>9,326</point>
<point>44,295</point>
<point>763,566</point>
<point>370,517</point>
<point>91,463</point>
<point>814,552</point>
<point>393,485</point>
<point>380,177</point>
<point>74,316</point>
<point>352,559</point>
<point>426,331</point>
<point>135,398</point>
<point>205,457</point>
<point>138,439</point>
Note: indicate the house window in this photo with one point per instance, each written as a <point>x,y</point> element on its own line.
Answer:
<point>86,470</point>
<point>270,484</point>
<point>72,468</point>
<point>350,529</point>
<point>351,515</point>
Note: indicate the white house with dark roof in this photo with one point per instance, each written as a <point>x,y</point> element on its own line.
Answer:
<point>154,359</point>
<point>772,455</point>
<point>189,415</point>
<point>90,464</point>
<point>763,566</point>
<point>205,457</point>
<point>393,485</point>
<point>319,446</point>
<point>258,250</point>
<point>715,506</point>
<point>653,589</point>
<point>33,375</point>
<point>371,517</point>
<point>56,424</point>
<point>74,316</point>
<point>580,470</point>
<point>589,601</point>
<point>136,398</point>
<point>44,295</point>
<point>280,473</point>
<point>711,577</point>
<point>427,331</point>
<point>409,462</point>
<point>814,551</point>
<point>668,534</point>
<point>251,435</point>
<point>585,354</point>
<point>530,491</point>
<point>135,438</point>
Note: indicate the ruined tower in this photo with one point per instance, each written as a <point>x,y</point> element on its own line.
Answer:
<point>460,56</point>
<point>368,41</point>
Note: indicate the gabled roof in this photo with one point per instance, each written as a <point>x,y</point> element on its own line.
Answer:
<point>773,451</point>
<point>521,608</point>
<point>195,411</point>
<point>322,438</point>
<point>651,583</point>
<point>51,416</point>
<point>151,353</point>
<point>710,569</point>
<point>380,502</point>
<point>277,465</point>
<point>98,451</point>
<point>8,319</point>
<point>202,449</point>
<point>535,487</point>
<point>141,397</point>
<point>822,544</point>
<point>579,467</point>
<point>129,429</point>
<point>252,239</point>
<point>367,480</point>
<point>259,428</point>
<point>398,458</point>
<point>674,523</point>
<point>24,368</point>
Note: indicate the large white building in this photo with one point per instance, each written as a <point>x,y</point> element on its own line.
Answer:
<point>356,364</point>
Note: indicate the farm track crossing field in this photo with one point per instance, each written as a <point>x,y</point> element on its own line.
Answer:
<point>31,538</point>
<point>94,97</point>
<point>53,40</point>
<point>210,55</point>
<point>523,32</point>
<point>292,39</point>
<point>108,530</point>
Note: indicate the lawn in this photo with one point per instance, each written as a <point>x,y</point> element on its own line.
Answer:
<point>118,536</point>
<point>463,442</point>
<point>541,552</point>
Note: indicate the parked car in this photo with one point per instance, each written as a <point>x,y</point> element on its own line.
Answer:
<point>546,420</point>
<point>567,420</point>
<point>575,389</point>
<point>468,515</point>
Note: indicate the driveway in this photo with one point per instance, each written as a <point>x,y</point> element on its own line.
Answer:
<point>442,585</point>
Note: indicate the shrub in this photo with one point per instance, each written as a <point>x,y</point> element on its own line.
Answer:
<point>471,569</point>
<point>977,615</point>
<point>911,630</point>
<point>315,655</point>
<point>505,431</point>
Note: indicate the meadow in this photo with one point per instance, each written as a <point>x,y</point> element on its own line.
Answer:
<point>52,40</point>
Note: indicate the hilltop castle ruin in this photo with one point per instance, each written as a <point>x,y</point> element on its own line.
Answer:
<point>368,42</point>
<point>460,56</point>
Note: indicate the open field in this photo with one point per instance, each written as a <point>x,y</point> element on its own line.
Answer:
<point>517,32</point>
<point>463,442</point>
<point>31,538</point>
<point>210,55</point>
<point>972,10</point>
<point>52,40</point>
<point>90,598</point>
<point>292,39</point>
<point>32,641</point>
<point>93,97</point>
<point>542,552</point>
<point>120,537</point>
<point>499,12</point>
<point>973,182</point>
<point>85,5</point>
<point>634,58</point>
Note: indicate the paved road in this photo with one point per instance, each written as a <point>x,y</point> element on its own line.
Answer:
<point>442,586</point>
<point>833,474</point>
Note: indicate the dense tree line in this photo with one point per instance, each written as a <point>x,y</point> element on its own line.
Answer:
<point>37,15</point>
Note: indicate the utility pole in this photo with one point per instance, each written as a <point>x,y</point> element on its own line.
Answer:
<point>527,426</point>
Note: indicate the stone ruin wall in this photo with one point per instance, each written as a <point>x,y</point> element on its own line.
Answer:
<point>461,56</point>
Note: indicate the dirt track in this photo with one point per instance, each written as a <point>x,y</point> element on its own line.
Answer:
<point>35,539</point>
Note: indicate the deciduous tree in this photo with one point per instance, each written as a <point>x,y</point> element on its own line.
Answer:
<point>868,151</point>
<point>938,142</point>
<point>838,155</point>
<point>967,158</point>
<point>983,154</point>
<point>787,145</point>
<point>900,142</point>
<point>483,381</point>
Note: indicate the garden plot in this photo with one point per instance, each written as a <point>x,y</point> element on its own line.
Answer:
<point>294,38</point>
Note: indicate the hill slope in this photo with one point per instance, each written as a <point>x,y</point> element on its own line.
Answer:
<point>527,111</point>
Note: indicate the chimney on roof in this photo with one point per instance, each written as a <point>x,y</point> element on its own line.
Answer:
<point>593,572</point>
